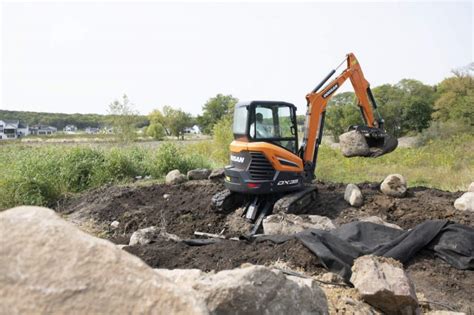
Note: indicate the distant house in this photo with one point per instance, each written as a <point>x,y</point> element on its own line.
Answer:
<point>70,129</point>
<point>92,130</point>
<point>194,129</point>
<point>43,130</point>
<point>12,129</point>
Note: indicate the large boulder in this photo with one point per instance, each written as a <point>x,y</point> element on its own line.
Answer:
<point>394,185</point>
<point>175,177</point>
<point>252,290</point>
<point>290,223</point>
<point>48,266</point>
<point>198,174</point>
<point>353,195</point>
<point>353,143</point>
<point>384,284</point>
<point>379,220</point>
<point>471,187</point>
<point>465,202</point>
<point>217,174</point>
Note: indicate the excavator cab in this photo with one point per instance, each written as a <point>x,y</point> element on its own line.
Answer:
<point>266,121</point>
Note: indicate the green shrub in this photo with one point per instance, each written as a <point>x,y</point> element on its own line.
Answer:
<point>78,168</point>
<point>223,136</point>
<point>169,157</point>
<point>443,131</point>
<point>116,167</point>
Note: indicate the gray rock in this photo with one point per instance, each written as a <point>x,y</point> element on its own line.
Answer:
<point>175,177</point>
<point>471,187</point>
<point>166,196</point>
<point>394,185</point>
<point>49,266</point>
<point>353,195</point>
<point>378,220</point>
<point>115,224</point>
<point>291,223</point>
<point>199,174</point>
<point>331,278</point>
<point>465,202</point>
<point>217,174</point>
<point>144,236</point>
<point>353,143</point>
<point>150,234</point>
<point>252,290</point>
<point>384,284</point>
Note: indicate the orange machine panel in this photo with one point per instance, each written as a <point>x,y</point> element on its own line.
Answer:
<point>273,153</point>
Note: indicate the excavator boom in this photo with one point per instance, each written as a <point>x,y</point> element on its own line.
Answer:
<point>318,99</point>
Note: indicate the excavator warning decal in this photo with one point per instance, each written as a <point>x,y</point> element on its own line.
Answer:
<point>331,90</point>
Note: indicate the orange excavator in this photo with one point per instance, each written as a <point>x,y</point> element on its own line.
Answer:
<point>269,171</point>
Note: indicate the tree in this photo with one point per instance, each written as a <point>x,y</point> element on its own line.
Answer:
<point>176,120</point>
<point>123,119</point>
<point>214,109</point>
<point>417,104</point>
<point>156,131</point>
<point>341,113</point>
<point>455,98</point>
<point>405,106</point>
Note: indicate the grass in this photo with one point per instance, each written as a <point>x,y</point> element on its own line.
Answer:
<point>42,174</point>
<point>446,164</point>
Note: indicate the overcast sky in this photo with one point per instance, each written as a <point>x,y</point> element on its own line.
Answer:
<point>79,57</point>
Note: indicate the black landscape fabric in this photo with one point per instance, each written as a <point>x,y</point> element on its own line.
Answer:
<point>337,249</point>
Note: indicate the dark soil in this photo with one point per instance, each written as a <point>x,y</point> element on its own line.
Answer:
<point>187,209</point>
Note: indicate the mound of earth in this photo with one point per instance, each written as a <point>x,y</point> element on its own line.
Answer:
<point>184,209</point>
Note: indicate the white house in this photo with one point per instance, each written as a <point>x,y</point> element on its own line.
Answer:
<point>12,129</point>
<point>92,130</point>
<point>194,129</point>
<point>70,129</point>
<point>42,130</point>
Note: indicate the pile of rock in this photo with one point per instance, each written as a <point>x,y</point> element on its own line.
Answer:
<point>175,177</point>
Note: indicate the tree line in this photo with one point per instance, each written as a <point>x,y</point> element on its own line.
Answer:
<point>408,107</point>
<point>60,120</point>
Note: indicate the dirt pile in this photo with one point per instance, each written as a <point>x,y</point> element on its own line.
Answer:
<point>184,209</point>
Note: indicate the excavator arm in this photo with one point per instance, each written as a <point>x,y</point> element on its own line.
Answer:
<point>318,100</point>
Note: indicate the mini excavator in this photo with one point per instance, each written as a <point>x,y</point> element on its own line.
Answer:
<point>269,172</point>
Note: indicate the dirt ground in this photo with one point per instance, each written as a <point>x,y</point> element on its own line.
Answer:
<point>184,209</point>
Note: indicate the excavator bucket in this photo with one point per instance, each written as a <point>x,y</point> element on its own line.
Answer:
<point>378,142</point>
<point>380,146</point>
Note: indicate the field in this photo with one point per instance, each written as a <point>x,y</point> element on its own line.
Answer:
<point>41,173</point>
